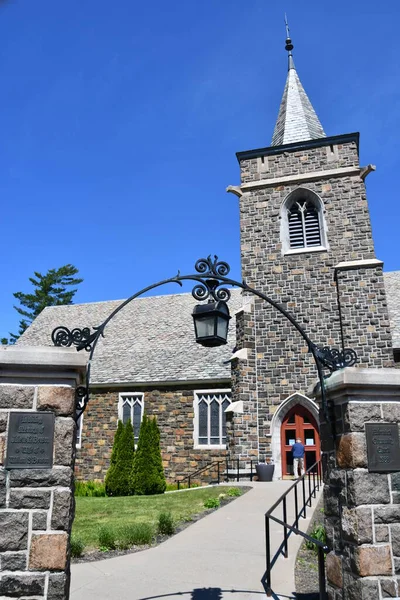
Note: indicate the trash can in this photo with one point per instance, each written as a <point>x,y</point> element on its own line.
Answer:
<point>265,471</point>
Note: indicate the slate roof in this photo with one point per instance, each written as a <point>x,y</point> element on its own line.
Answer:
<point>150,340</point>
<point>392,285</point>
<point>297,120</point>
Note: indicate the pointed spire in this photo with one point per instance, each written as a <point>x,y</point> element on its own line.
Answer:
<point>297,120</point>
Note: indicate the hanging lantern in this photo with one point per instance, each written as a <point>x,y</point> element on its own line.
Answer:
<point>211,323</point>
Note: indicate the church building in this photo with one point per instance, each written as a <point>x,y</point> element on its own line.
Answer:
<point>306,242</point>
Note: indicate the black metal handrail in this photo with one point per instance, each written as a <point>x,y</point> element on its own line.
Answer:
<point>313,475</point>
<point>236,472</point>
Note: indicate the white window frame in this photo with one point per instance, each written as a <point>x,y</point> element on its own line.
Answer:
<point>138,397</point>
<point>79,429</point>
<point>310,196</point>
<point>196,400</point>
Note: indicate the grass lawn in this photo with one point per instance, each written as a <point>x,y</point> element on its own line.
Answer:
<point>92,513</point>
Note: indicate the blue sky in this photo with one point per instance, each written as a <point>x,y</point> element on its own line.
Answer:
<point>120,121</point>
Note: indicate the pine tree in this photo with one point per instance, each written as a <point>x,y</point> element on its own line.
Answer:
<point>110,480</point>
<point>148,473</point>
<point>50,289</point>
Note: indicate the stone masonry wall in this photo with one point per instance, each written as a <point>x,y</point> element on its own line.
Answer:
<point>362,509</point>
<point>174,410</point>
<point>303,283</point>
<point>37,505</point>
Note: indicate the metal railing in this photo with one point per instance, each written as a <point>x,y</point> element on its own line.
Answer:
<point>309,482</point>
<point>225,470</point>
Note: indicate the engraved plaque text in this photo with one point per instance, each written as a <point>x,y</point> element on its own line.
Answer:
<point>383,447</point>
<point>30,440</point>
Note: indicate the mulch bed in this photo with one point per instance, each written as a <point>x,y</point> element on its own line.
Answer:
<point>306,569</point>
<point>95,554</point>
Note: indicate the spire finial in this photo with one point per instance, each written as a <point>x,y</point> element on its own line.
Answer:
<point>289,45</point>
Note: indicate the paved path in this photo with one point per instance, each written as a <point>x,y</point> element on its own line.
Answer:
<point>220,557</point>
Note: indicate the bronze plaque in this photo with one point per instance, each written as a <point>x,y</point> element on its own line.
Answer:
<point>30,440</point>
<point>383,447</point>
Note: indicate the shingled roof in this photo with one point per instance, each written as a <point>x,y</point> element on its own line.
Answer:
<point>151,340</point>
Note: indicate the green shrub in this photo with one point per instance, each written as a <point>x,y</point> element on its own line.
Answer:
<point>107,538</point>
<point>77,546</point>
<point>118,479</point>
<point>318,533</point>
<point>110,482</point>
<point>165,524</point>
<point>211,503</point>
<point>233,492</point>
<point>148,473</point>
<point>91,489</point>
<point>136,534</point>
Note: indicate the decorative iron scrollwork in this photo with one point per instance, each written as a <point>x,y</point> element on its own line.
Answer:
<point>81,400</point>
<point>81,338</point>
<point>211,270</point>
<point>335,359</point>
<point>210,275</point>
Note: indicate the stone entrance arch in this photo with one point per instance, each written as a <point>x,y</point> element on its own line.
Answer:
<point>276,424</point>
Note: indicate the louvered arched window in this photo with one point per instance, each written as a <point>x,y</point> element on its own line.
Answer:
<point>303,222</point>
<point>304,228</point>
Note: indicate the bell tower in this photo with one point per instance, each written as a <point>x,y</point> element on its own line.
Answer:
<point>306,242</point>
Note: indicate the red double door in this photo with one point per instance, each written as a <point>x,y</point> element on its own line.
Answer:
<point>299,423</point>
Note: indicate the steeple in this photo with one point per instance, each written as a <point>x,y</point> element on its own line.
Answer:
<point>297,120</point>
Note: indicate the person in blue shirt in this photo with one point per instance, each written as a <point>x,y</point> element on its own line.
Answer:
<point>298,458</point>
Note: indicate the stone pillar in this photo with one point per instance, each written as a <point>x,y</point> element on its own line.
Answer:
<point>37,504</point>
<point>362,508</point>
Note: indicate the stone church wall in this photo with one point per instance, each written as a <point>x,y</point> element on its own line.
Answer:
<point>174,411</point>
<point>303,282</point>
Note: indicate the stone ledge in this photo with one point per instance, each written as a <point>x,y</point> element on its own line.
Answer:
<point>63,366</point>
<point>297,178</point>
<point>384,383</point>
<point>368,263</point>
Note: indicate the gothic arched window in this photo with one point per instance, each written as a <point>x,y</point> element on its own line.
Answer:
<point>303,222</point>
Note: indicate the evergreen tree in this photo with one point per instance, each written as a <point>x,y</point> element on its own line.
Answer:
<point>50,289</point>
<point>148,473</point>
<point>120,482</point>
<point>110,480</point>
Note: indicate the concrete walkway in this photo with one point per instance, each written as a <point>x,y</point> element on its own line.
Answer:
<point>220,557</point>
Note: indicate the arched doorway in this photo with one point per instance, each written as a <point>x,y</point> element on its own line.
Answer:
<point>294,400</point>
<point>299,423</point>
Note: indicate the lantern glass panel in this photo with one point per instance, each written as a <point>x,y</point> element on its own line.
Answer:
<point>205,327</point>
<point>222,327</point>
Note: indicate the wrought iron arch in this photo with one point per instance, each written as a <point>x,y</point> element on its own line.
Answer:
<point>211,279</point>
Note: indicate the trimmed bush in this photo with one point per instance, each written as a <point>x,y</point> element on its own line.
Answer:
<point>77,546</point>
<point>165,524</point>
<point>110,482</point>
<point>148,473</point>
<point>107,538</point>
<point>118,479</point>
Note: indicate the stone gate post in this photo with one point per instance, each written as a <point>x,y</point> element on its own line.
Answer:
<point>362,484</point>
<point>37,452</point>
